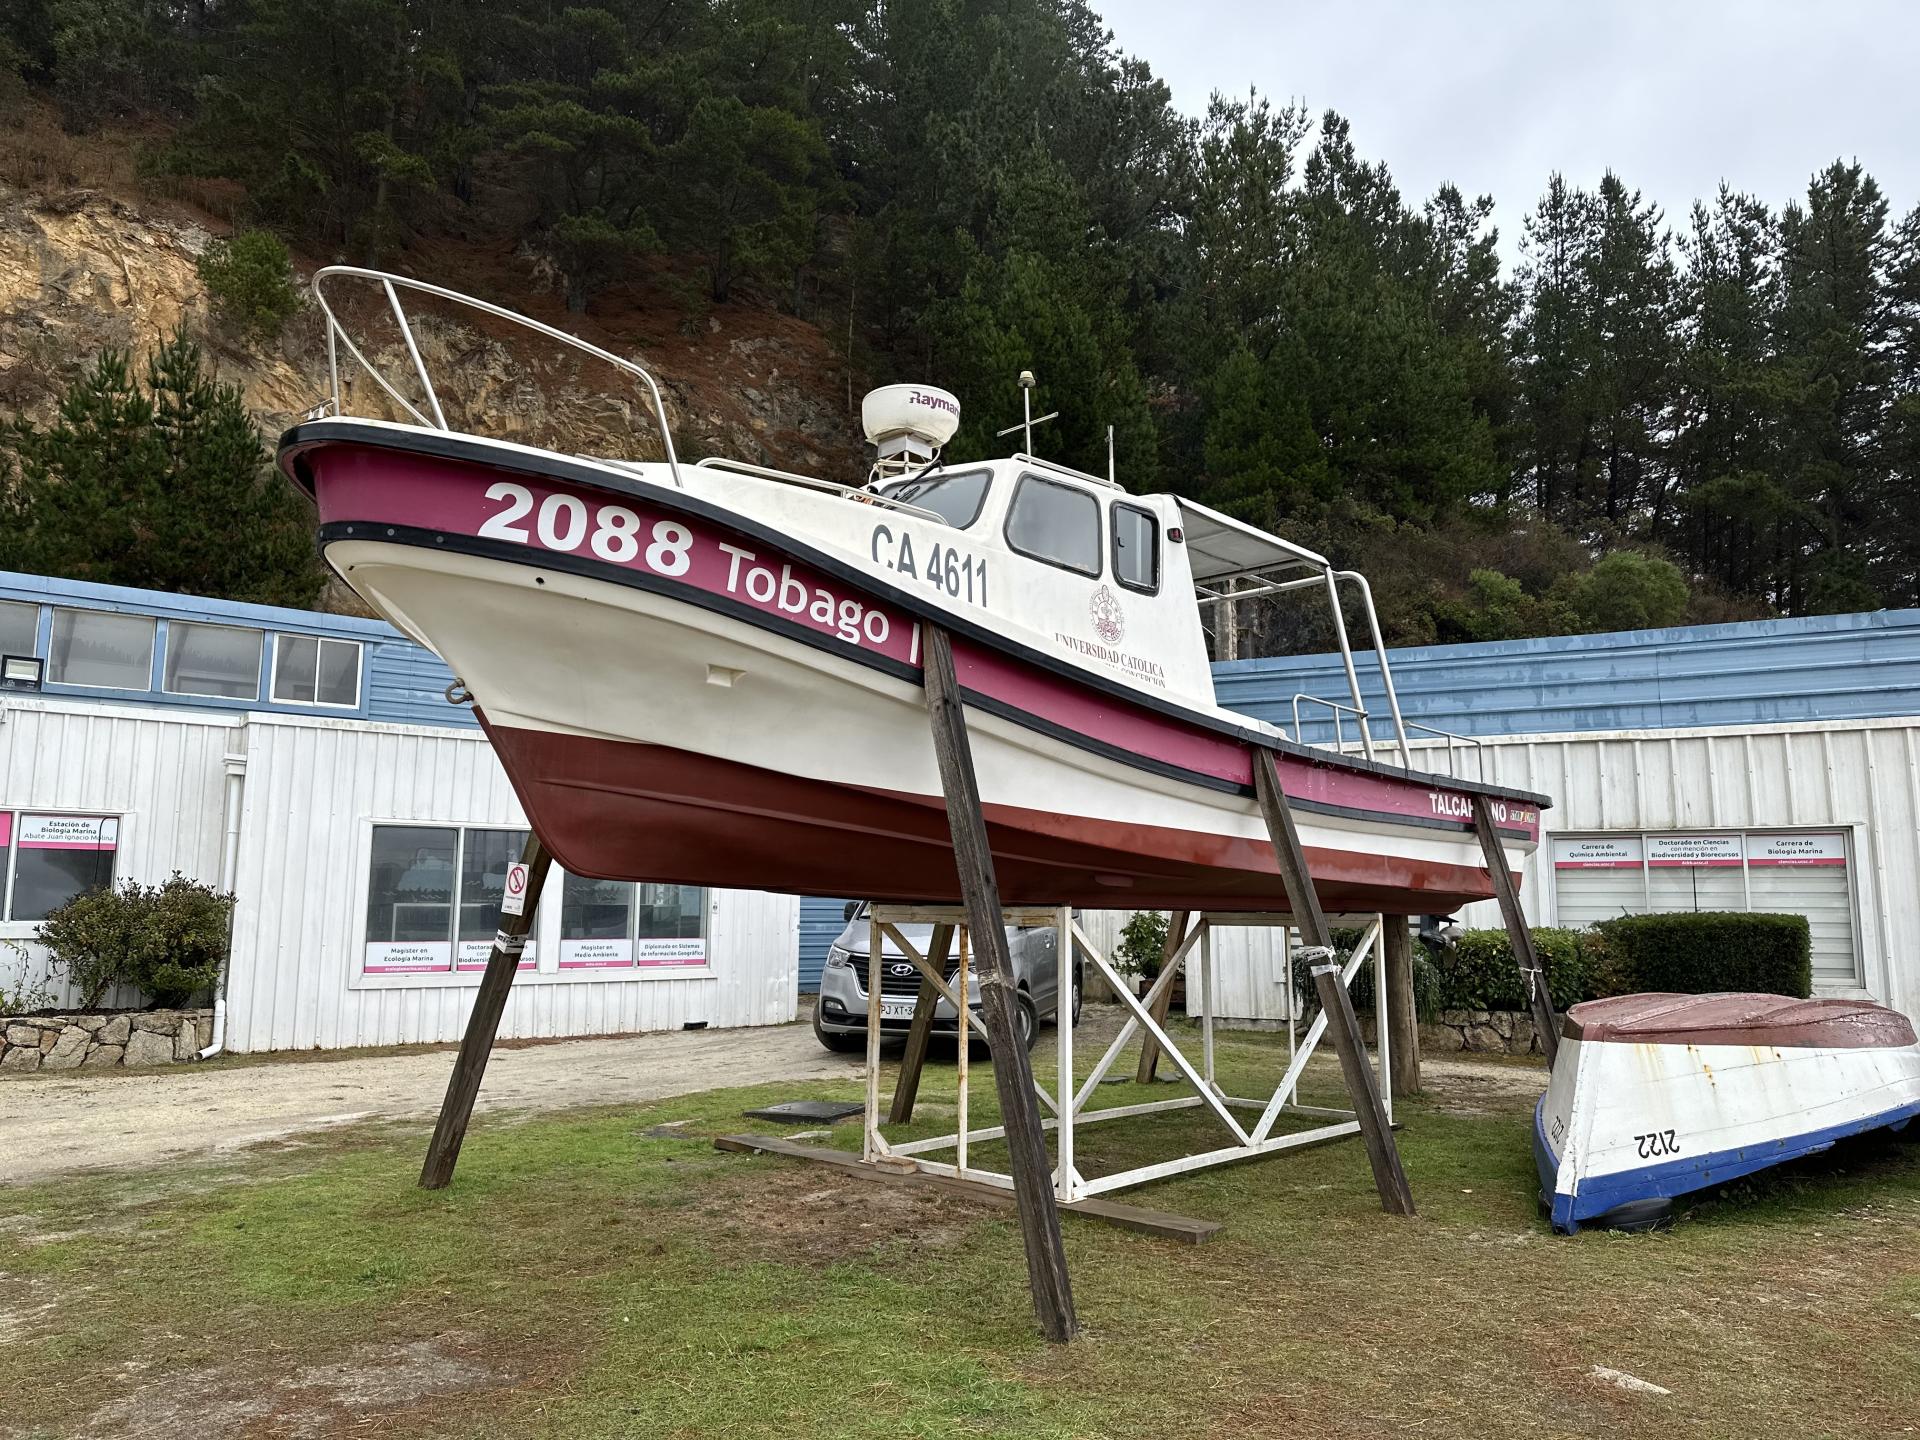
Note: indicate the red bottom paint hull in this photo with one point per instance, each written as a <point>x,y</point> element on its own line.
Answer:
<point>622,810</point>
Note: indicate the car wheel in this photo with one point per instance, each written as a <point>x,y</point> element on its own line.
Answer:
<point>1028,1019</point>
<point>1076,998</point>
<point>840,1042</point>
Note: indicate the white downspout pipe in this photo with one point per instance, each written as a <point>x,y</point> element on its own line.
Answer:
<point>229,868</point>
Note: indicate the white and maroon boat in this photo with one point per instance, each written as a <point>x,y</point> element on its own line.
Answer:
<point>1655,1096</point>
<point>711,673</point>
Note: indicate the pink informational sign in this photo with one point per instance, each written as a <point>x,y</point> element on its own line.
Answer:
<point>1602,852</point>
<point>596,954</point>
<point>1796,849</point>
<point>672,952</point>
<point>68,832</point>
<point>473,955</point>
<point>408,957</point>
<point>1705,852</point>
<point>6,828</point>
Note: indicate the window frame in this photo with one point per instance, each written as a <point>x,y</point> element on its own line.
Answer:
<point>1029,477</point>
<point>359,672</point>
<point>979,507</point>
<point>153,650</point>
<point>1113,544</point>
<point>33,638</point>
<point>14,814</point>
<point>174,626</point>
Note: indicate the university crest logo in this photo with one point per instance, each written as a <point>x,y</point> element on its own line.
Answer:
<point>1108,623</point>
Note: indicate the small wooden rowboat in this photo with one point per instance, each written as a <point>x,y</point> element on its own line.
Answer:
<point>1655,1096</point>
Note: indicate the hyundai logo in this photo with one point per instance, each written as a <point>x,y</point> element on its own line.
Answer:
<point>900,967</point>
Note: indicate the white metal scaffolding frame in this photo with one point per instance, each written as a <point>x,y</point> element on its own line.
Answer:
<point>1249,1138</point>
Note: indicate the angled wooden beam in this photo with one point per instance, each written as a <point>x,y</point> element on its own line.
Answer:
<point>1532,975</point>
<point>1012,1067</point>
<point>1150,1047</point>
<point>470,1065</point>
<point>1343,1028</point>
<point>1403,1025</point>
<point>907,1089</point>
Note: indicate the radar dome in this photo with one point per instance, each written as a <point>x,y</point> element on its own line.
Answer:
<point>895,417</point>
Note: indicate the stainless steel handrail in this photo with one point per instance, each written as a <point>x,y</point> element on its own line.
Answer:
<point>814,482</point>
<point>1452,738</point>
<point>337,335</point>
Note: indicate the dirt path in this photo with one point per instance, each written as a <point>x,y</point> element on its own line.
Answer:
<point>50,1126</point>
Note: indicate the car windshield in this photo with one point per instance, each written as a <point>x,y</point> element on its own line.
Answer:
<point>956,499</point>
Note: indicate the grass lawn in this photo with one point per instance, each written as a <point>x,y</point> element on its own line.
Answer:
<point>607,1273</point>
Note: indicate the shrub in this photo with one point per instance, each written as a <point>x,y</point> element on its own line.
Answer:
<point>1142,942</point>
<point>1428,999</point>
<point>1479,972</point>
<point>249,280</point>
<point>1705,951</point>
<point>167,939</point>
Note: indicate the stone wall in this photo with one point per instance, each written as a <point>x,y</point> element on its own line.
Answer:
<point>1498,1032</point>
<point>95,1042</point>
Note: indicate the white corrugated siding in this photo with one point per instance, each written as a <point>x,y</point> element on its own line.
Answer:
<point>314,787</point>
<point>1862,776</point>
<point>162,772</point>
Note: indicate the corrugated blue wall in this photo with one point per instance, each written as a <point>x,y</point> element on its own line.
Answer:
<point>820,922</point>
<point>1825,667</point>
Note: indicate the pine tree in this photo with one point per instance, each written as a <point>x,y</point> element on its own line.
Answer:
<point>164,486</point>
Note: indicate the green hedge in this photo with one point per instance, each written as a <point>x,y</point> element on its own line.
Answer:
<point>1478,971</point>
<point>1705,951</point>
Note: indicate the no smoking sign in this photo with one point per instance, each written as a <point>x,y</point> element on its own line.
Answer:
<point>514,900</point>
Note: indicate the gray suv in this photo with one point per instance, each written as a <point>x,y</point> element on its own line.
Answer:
<point>840,1012</point>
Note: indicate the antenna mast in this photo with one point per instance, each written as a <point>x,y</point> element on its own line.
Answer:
<point>1030,419</point>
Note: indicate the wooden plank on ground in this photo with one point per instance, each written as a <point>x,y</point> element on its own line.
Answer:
<point>1160,1223</point>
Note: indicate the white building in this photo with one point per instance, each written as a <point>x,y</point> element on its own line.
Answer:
<point>292,758</point>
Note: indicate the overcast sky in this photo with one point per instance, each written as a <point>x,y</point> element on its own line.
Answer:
<point>1495,95</point>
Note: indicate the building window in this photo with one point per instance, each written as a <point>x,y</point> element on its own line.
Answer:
<point>416,872</point>
<point>1793,872</point>
<point>310,671</point>
<point>221,661</point>
<point>50,859</point>
<point>614,924</point>
<point>19,628</point>
<point>101,649</point>
<point>1136,548</point>
<point>1057,523</point>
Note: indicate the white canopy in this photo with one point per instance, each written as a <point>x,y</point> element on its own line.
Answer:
<point>1220,547</point>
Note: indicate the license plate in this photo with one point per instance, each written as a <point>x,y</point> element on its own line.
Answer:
<point>896,1009</point>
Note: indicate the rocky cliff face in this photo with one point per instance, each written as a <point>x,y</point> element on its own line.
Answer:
<point>83,270</point>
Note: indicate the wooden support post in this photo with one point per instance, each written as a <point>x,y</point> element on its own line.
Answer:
<point>1396,1196</point>
<point>1532,976</point>
<point>1396,940</point>
<point>1012,1067</point>
<point>470,1065</point>
<point>920,1037</point>
<point>1150,1047</point>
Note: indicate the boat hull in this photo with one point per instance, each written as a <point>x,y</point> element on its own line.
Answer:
<point>1629,1121</point>
<point>743,713</point>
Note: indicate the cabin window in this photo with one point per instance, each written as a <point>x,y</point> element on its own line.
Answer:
<point>47,860</point>
<point>1663,872</point>
<point>1057,523</point>
<point>614,924</point>
<point>414,925</point>
<point>101,649</point>
<point>956,499</point>
<point>1136,548</point>
<point>19,628</point>
<point>310,671</point>
<point>216,660</point>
